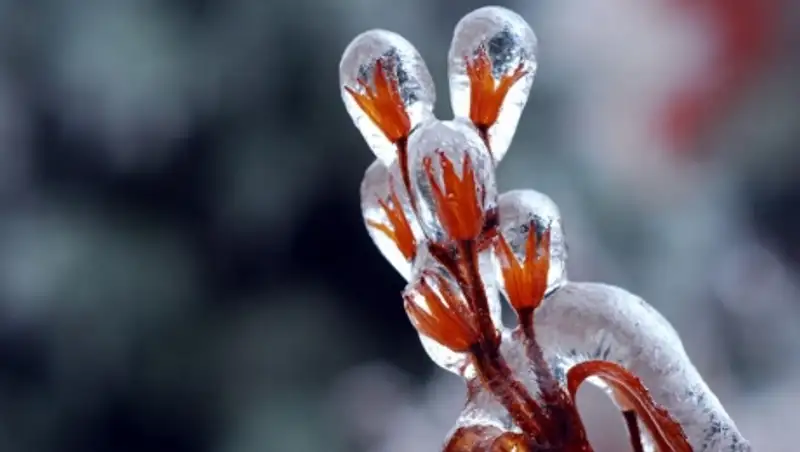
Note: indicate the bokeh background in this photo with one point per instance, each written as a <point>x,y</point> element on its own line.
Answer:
<point>183,264</point>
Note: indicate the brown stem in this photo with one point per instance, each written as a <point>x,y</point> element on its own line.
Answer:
<point>566,424</point>
<point>483,131</point>
<point>544,375</point>
<point>402,160</point>
<point>476,292</point>
<point>498,375</point>
<point>525,414</point>
<point>633,430</point>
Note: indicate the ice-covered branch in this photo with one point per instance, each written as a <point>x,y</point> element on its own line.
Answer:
<point>583,321</point>
<point>431,205</point>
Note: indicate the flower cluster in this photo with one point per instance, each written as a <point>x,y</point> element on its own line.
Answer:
<point>431,205</point>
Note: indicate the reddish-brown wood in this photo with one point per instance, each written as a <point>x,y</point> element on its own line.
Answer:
<point>629,391</point>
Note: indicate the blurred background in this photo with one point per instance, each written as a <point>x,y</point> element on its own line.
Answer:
<point>183,264</point>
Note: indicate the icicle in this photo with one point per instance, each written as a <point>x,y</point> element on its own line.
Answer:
<point>491,65</point>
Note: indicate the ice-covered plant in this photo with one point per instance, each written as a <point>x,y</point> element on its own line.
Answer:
<point>431,206</point>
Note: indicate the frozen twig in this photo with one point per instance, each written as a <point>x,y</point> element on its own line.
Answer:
<point>431,205</point>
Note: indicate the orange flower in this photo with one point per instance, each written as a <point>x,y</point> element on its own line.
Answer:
<point>526,281</point>
<point>486,97</point>
<point>399,229</point>
<point>384,106</point>
<point>447,321</point>
<point>459,202</point>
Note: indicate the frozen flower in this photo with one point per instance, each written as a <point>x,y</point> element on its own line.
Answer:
<point>431,205</point>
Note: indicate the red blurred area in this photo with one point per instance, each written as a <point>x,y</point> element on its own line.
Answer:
<point>745,32</point>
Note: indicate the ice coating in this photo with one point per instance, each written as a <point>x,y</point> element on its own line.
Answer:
<point>456,362</point>
<point>517,211</point>
<point>509,43</point>
<point>582,321</point>
<point>381,188</point>
<point>475,431</point>
<point>401,64</point>
<point>440,142</point>
<point>482,409</point>
<point>487,261</point>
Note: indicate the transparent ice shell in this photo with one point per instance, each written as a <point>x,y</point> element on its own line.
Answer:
<point>377,186</point>
<point>487,262</point>
<point>482,409</point>
<point>517,211</point>
<point>455,362</point>
<point>583,321</point>
<point>400,61</point>
<point>508,42</point>
<point>453,140</point>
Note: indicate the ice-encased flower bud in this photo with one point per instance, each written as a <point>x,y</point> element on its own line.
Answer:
<point>386,88</point>
<point>389,216</point>
<point>491,67</point>
<point>441,315</point>
<point>453,181</point>
<point>518,211</point>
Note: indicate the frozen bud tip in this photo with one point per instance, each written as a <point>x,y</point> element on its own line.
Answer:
<point>389,216</point>
<point>525,280</point>
<point>438,312</point>
<point>453,180</point>
<point>525,212</point>
<point>386,89</point>
<point>491,66</point>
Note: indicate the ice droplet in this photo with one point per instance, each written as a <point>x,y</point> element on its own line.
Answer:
<point>405,76</point>
<point>517,211</point>
<point>441,143</point>
<point>385,206</point>
<point>456,362</point>
<point>503,39</point>
<point>583,321</point>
